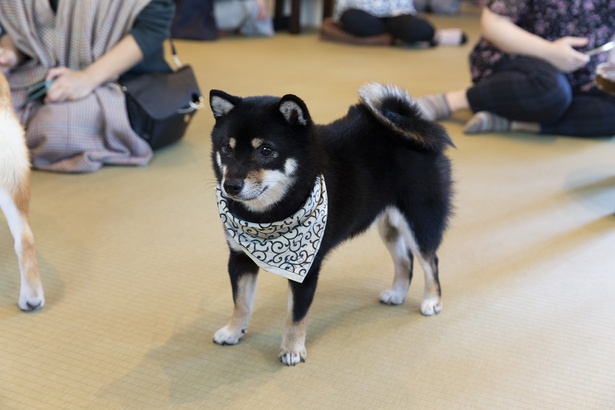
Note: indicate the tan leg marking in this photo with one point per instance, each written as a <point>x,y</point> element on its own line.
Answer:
<point>398,249</point>
<point>292,350</point>
<point>15,207</point>
<point>432,301</point>
<point>15,200</point>
<point>242,311</point>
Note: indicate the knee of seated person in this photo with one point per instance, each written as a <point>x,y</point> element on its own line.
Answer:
<point>421,31</point>
<point>558,99</point>
<point>360,23</point>
<point>551,94</point>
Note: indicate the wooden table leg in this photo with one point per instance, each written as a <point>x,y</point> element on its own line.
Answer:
<point>294,24</point>
<point>294,21</point>
<point>327,9</point>
<point>279,9</point>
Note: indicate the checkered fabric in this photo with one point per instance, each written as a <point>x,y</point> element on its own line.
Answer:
<point>74,136</point>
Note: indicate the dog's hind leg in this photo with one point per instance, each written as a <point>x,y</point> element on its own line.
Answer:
<point>432,300</point>
<point>15,206</point>
<point>300,297</point>
<point>243,274</point>
<point>432,297</point>
<point>402,258</point>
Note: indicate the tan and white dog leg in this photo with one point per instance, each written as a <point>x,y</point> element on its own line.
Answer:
<point>15,208</point>
<point>244,302</point>
<point>432,297</point>
<point>15,199</point>
<point>292,350</point>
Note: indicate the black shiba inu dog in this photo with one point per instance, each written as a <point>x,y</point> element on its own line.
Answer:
<point>289,191</point>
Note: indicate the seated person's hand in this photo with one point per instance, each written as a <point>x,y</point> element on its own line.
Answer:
<point>564,56</point>
<point>68,85</point>
<point>8,60</point>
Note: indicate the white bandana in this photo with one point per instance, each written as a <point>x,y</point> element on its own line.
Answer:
<point>287,247</point>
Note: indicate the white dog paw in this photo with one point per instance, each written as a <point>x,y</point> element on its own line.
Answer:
<point>292,357</point>
<point>30,303</point>
<point>431,306</point>
<point>392,297</point>
<point>226,336</point>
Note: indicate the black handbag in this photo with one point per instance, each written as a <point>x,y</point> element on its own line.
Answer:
<point>161,105</point>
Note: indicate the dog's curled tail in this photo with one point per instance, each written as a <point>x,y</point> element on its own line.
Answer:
<point>394,107</point>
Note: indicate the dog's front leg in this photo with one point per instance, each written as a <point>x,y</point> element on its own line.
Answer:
<point>243,274</point>
<point>16,210</point>
<point>300,297</point>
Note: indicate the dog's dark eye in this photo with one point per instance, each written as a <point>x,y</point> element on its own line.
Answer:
<point>266,151</point>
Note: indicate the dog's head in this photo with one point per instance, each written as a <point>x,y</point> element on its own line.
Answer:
<point>261,147</point>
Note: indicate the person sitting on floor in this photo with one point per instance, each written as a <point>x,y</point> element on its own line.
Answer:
<point>531,72</point>
<point>247,17</point>
<point>397,18</point>
<point>79,49</point>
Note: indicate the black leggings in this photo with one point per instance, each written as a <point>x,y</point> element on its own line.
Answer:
<point>407,28</point>
<point>531,90</point>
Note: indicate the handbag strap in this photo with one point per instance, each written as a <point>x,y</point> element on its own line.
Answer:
<point>192,105</point>
<point>176,60</point>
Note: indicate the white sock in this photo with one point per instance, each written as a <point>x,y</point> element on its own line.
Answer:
<point>485,121</point>
<point>434,107</point>
<point>450,37</point>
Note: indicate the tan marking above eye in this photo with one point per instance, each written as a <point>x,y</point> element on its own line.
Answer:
<point>257,142</point>
<point>232,142</point>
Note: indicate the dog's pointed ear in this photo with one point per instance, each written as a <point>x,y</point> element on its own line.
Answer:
<point>294,110</point>
<point>222,103</point>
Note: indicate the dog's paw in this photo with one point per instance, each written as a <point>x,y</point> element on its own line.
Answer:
<point>292,357</point>
<point>227,336</point>
<point>431,306</point>
<point>31,301</point>
<point>392,297</point>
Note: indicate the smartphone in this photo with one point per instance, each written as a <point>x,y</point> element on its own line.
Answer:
<point>603,48</point>
<point>39,90</point>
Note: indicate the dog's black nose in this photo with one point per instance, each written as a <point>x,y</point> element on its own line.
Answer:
<point>233,186</point>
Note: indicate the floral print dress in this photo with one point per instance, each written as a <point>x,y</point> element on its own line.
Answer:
<point>551,19</point>
<point>379,8</point>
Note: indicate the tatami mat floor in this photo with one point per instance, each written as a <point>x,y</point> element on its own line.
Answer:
<point>133,262</point>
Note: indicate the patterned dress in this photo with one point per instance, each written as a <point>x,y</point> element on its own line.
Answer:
<point>379,8</point>
<point>551,19</point>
